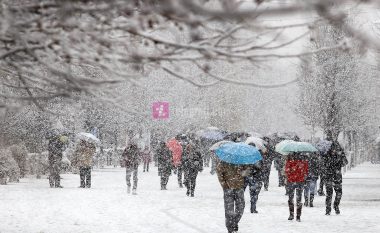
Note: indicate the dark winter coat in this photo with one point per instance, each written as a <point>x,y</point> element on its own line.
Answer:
<point>268,159</point>
<point>55,149</point>
<point>272,154</point>
<point>192,158</point>
<point>279,162</point>
<point>231,176</point>
<point>333,162</point>
<point>83,154</point>
<point>314,167</point>
<point>131,157</point>
<point>164,160</point>
<point>258,171</point>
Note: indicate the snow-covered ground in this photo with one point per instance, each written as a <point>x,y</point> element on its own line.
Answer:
<point>31,206</point>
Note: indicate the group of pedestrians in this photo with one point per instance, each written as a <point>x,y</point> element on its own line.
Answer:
<point>82,159</point>
<point>187,168</point>
<point>298,172</point>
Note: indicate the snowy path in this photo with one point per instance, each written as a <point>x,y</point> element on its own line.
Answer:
<point>30,206</point>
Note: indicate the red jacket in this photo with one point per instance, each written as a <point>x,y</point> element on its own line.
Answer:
<point>296,170</point>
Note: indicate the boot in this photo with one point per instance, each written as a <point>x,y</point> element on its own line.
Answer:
<point>187,192</point>
<point>134,191</point>
<point>299,210</point>
<point>291,211</point>
<point>311,200</point>
<point>321,193</point>
<point>306,201</point>
<point>253,209</point>
<point>328,210</point>
<point>336,208</point>
<point>192,193</point>
<point>128,189</point>
<point>51,182</point>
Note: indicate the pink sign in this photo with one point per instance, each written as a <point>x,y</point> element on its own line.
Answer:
<point>160,110</point>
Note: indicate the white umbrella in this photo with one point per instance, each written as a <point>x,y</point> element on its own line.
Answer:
<point>88,138</point>
<point>260,143</point>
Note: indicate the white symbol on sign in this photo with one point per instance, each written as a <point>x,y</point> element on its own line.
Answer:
<point>160,110</point>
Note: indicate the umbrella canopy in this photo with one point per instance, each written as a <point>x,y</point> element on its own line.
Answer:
<point>278,147</point>
<point>260,143</point>
<point>238,153</point>
<point>212,135</point>
<point>217,145</point>
<point>292,146</point>
<point>323,146</point>
<point>175,147</point>
<point>240,136</point>
<point>88,138</point>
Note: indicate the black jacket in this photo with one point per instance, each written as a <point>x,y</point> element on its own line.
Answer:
<point>192,158</point>
<point>165,161</point>
<point>314,167</point>
<point>333,162</point>
<point>131,157</point>
<point>55,149</point>
<point>258,171</point>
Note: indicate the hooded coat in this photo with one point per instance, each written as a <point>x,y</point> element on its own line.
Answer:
<point>83,154</point>
<point>164,156</point>
<point>131,157</point>
<point>231,176</point>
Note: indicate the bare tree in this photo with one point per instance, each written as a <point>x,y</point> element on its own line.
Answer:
<point>330,86</point>
<point>52,48</point>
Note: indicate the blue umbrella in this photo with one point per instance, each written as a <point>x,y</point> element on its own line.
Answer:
<point>238,153</point>
<point>323,146</point>
<point>212,135</point>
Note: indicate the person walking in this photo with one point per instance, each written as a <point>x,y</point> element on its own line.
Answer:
<point>56,147</point>
<point>231,178</point>
<point>296,171</point>
<point>130,160</point>
<point>255,183</point>
<point>192,164</point>
<point>270,156</point>
<point>180,168</point>
<point>311,180</point>
<point>146,158</point>
<point>279,165</point>
<point>322,175</point>
<point>83,155</point>
<point>334,160</point>
<point>165,166</point>
<point>176,150</point>
<point>255,180</point>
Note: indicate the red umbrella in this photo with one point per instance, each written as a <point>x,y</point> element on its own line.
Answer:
<point>176,149</point>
